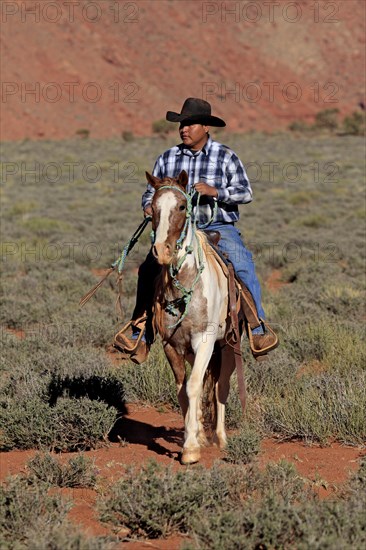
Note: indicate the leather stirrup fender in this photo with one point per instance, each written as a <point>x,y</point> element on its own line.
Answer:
<point>248,306</point>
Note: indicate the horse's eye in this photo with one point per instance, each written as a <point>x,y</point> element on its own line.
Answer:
<point>182,207</point>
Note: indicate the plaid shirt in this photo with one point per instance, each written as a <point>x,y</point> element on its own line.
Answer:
<point>218,166</point>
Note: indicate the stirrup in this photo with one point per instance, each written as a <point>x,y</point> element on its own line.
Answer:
<point>260,354</point>
<point>123,343</point>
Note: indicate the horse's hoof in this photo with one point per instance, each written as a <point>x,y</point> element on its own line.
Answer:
<point>190,456</point>
<point>219,441</point>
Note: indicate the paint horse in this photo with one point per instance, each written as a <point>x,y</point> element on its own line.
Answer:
<point>190,311</point>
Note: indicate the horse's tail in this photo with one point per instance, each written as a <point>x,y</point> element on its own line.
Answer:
<point>209,391</point>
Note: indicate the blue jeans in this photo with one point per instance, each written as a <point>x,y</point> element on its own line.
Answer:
<point>241,258</point>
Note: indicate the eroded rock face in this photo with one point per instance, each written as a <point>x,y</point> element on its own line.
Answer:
<point>109,68</point>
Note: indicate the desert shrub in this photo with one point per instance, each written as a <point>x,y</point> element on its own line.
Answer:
<point>77,472</point>
<point>30,518</point>
<point>41,304</point>
<point>243,446</point>
<point>128,136</point>
<point>275,523</point>
<point>37,367</point>
<point>280,511</point>
<point>299,126</point>
<point>56,397</point>
<point>313,220</point>
<point>152,502</point>
<point>152,382</point>
<point>327,119</point>
<point>156,501</point>
<point>313,386</point>
<point>43,226</point>
<point>83,133</point>
<point>332,342</point>
<point>233,409</point>
<point>302,198</point>
<point>354,124</point>
<point>161,127</point>
<point>357,482</point>
<point>317,408</point>
<point>346,301</point>
<point>71,425</point>
<point>81,423</point>
<point>25,424</point>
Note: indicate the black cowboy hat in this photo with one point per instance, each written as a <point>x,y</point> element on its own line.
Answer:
<point>195,111</point>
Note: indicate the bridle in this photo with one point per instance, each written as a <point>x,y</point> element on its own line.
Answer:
<point>172,306</point>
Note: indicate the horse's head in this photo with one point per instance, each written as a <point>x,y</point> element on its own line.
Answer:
<point>169,214</point>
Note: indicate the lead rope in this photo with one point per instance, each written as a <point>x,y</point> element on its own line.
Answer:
<point>119,264</point>
<point>173,270</point>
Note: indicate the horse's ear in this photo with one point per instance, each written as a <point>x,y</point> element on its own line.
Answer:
<point>155,182</point>
<point>183,179</point>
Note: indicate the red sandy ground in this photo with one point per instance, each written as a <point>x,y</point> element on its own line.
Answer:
<point>149,434</point>
<point>111,66</point>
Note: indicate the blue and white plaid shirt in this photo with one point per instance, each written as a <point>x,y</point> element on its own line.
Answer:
<point>218,166</point>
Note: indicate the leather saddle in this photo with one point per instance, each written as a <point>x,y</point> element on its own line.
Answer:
<point>242,296</point>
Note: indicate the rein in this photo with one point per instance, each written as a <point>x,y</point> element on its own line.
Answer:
<point>172,306</point>
<point>119,264</point>
<point>173,270</point>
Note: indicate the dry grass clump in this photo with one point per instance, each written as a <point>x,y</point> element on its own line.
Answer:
<point>231,507</point>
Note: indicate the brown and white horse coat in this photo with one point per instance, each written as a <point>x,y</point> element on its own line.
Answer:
<point>204,324</point>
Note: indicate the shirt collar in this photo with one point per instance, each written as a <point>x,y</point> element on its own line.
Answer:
<point>182,150</point>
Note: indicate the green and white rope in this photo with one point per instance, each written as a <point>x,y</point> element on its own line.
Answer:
<point>120,262</point>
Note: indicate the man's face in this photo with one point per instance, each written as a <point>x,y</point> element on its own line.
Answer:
<point>193,136</point>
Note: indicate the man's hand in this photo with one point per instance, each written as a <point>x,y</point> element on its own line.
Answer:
<point>148,211</point>
<point>205,189</point>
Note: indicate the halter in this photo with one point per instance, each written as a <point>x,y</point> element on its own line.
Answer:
<point>188,198</point>
<point>174,270</point>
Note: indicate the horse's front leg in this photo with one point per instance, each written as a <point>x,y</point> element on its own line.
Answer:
<point>222,392</point>
<point>178,367</point>
<point>203,349</point>
<point>202,439</point>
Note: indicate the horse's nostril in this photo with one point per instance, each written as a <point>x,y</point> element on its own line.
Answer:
<point>154,251</point>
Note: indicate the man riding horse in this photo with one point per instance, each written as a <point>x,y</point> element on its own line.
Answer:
<point>215,172</point>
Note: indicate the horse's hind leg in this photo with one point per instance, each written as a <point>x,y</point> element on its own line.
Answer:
<point>177,365</point>
<point>222,393</point>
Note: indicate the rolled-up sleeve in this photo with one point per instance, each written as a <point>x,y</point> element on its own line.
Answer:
<point>237,189</point>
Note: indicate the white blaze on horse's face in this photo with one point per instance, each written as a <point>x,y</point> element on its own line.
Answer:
<point>165,241</point>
